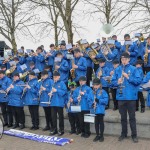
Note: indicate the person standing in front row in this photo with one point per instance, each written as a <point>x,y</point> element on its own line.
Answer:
<point>58,95</point>
<point>127,78</point>
<point>100,100</point>
<point>83,99</point>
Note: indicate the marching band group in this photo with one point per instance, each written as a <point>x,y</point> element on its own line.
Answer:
<point>79,78</point>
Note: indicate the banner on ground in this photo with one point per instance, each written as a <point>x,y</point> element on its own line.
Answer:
<point>38,138</point>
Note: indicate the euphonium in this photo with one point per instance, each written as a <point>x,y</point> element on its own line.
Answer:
<point>146,55</point>
<point>141,38</point>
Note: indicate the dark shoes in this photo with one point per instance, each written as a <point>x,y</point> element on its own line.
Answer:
<point>101,139</point>
<point>5,124</point>
<point>96,138</point>
<point>15,126</point>
<point>122,137</point>
<point>53,132</point>
<point>78,132</point>
<point>34,128</point>
<point>142,110</point>
<point>135,139</point>
<point>60,133</point>
<point>85,135</point>
<point>22,126</point>
<point>72,132</point>
<point>9,125</point>
<point>46,128</point>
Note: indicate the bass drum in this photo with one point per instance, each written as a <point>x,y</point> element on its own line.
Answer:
<point>1,128</point>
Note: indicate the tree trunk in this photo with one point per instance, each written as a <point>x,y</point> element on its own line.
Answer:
<point>56,33</point>
<point>14,44</point>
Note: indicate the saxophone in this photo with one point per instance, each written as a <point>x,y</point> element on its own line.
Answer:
<point>72,71</point>
<point>146,54</point>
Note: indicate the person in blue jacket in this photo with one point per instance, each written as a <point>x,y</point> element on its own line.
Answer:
<point>132,49</point>
<point>5,109</point>
<point>50,56</point>
<point>58,96</point>
<point>100,100</point>
<point>140,46</point>
<point>83,99</point>
<point>63,68</point>
<point>49,70</point>
<point>45,87</point>
<point>80,65</point>
<point>146,80</point>
<point>73,116</point>
<point>147,51</point>
<point>14,95</point>
<point>30,99</point>
<point>127,78</point>
<point>139,64</point>
<point>102,72</point>
<point>88,60</point>
<point>39,59</point>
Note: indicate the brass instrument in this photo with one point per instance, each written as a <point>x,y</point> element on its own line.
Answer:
<point>81,46</point>
<point>146,54</point>
<point>93,52</point>
<point>141,38</point>
<point>21,54</point>
<point>127,48</point>
<point>23,75</point>
<point>105,49</point>
<point>72,71</point>
<point>10,71</point>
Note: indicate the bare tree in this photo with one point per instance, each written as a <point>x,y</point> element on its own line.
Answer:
<point>15,16</point>
<point>111,11</point>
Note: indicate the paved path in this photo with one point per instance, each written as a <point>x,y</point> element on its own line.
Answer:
<point>110,143</point>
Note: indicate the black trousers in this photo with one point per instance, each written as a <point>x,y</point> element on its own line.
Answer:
<point>6,112</point>
<point>59,111</point>
<point>89,75</point>
<point>141,99</point>
<point>113,92</point>
<point>74,121</point>
<point>18,113</point>
<point>34,112</point>
<point>107,90</point>
<point>99,124</point>
<point>48,116</point>
<point>129,107</point>
<point>85,127</point>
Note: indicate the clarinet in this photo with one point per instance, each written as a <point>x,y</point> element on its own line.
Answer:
<point>121,85</point>
<point>50,95</point>
<point>69,103</point>
<point>40,91</point>
<point>6,94</point>
<point>24,91</point>
<point>95,103</point>
<point>79,96</point>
